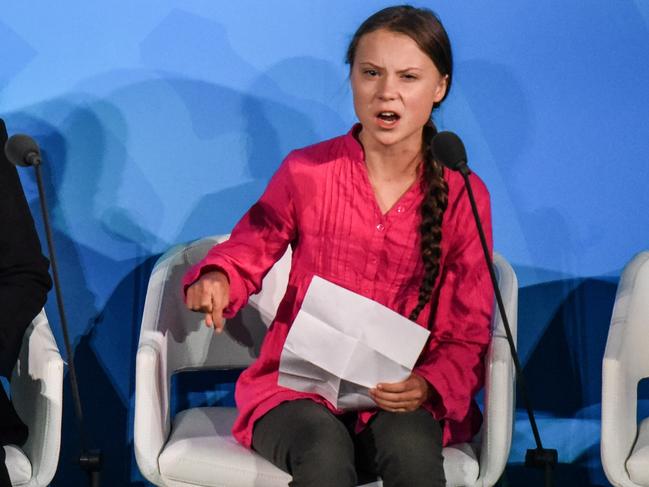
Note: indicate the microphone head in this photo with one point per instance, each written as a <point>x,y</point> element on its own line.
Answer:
<point>22,150</point>
<point>449,150</point>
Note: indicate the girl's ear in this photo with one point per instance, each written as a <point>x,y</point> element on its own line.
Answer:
<point>440,89</point>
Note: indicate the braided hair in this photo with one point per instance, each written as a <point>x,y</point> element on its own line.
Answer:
<point>432,212</point>
<point>425,28</point>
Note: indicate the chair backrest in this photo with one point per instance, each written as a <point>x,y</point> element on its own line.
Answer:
<point>191,345</point>
<point>631,311</point>
<point>508,285</point>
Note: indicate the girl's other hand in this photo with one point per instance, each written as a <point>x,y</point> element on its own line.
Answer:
<point>404,396</point>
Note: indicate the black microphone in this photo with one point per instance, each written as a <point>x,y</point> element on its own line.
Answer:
<point>449,150</point>
<point>22,150</point>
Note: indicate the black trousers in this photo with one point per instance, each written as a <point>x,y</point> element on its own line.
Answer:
<point>320,449</point>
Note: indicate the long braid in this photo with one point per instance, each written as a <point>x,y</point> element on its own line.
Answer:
<point>432,212</point>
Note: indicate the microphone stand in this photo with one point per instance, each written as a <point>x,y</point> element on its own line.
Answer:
<point>542,458</point>
<point>89,460</point>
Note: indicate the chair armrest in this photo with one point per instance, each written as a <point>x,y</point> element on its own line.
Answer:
<point>625,363</point>
<point>37,395</point>
<point>152,421</point>
<point>152,416</point>
<point>619,409</point>
<point>498,425</point>
<point>498,414</point>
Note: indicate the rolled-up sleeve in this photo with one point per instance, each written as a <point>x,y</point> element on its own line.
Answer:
<point>257,241</point>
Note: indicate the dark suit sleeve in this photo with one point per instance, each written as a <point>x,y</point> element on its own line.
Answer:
<point>24,277</point>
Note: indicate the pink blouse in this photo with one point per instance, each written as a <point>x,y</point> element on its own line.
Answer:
<point>320,202</point>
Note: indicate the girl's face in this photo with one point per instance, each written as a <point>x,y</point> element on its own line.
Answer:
<point>394,84</point>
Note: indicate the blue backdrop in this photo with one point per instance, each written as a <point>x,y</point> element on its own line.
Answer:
<point>161,122</point>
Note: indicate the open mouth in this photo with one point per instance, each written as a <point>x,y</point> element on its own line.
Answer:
<point>389,117</point>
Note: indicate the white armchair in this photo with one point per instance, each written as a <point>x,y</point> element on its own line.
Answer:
<point>625,443</point>
<point>37,395</point>
<point>196,448</point>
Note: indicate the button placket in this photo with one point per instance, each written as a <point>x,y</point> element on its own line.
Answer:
<point>372,266</point>
<point>373,257</point>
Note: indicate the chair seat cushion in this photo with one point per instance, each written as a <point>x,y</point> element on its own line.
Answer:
<point>461,465</point>
<point>201,451</point>
<point>638,463</point>
<point>18,465</point>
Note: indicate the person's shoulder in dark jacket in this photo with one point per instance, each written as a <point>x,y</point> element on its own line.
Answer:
<point>24,277</point>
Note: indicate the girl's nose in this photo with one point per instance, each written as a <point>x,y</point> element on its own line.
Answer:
<point>387,88</point>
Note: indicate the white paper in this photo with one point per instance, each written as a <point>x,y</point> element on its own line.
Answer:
<point>341,344</point>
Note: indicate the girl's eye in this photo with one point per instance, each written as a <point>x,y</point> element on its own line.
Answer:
<point>409,76</point>
<point>371,72</point>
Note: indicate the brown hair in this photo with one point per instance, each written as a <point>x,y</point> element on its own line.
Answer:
<point>425,28</point>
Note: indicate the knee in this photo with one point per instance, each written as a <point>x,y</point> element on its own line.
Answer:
<point>309,442</point>
<point>324,448</point>
<point>324,455</point>
<point>406,456</point>
<point>326,465</point>
<point>413,466</point>
<point>413,434</point>
<point>411,451</point>
<point>412,445</point>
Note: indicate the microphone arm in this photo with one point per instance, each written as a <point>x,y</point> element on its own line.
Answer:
<point>89,460</point>
<point>540,457</point>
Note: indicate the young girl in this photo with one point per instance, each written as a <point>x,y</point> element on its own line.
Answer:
<point>371,211</point>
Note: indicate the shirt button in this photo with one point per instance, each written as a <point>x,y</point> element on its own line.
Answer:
<point>380,227</point>
<point>400,209</point>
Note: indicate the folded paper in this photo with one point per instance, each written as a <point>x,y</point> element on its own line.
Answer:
<point>342,344</point>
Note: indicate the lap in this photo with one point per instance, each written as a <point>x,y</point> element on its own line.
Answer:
<point>302,431</point>
<point>297,420</point>
<point>392,428</point>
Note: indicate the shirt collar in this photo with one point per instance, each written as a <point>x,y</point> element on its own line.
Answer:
<point>354,147</point>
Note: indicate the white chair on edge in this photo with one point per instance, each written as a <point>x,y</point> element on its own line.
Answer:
<point>37,395</point>
<point>196,449</point>
<point>625,444</point>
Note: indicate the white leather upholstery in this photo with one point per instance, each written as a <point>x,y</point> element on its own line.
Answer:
<point>638,463</point>
<point>20,469</point>
<point>196,449</point>
<point>201,444</point>
<point>461,465</point>
<point>37,395</point>
<point>626,362</point>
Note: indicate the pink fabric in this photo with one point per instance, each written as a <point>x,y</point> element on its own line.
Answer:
<point>320,202</point>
